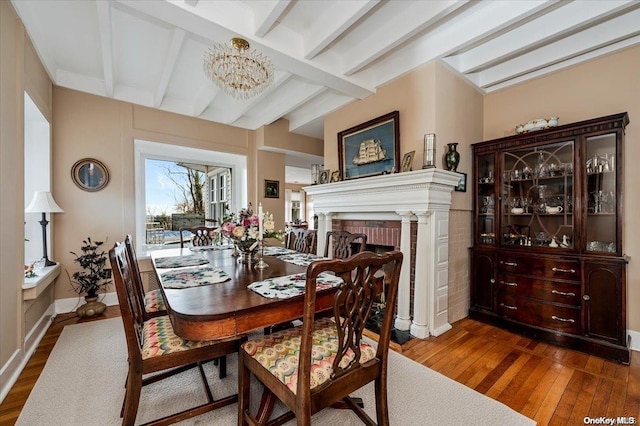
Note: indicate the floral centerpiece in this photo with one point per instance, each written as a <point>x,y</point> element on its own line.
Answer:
<point>246,227</point>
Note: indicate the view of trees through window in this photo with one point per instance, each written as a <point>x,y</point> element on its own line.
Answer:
<point>180,194</point>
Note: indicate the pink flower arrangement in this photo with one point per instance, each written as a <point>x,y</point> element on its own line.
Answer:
<point>243,227</point>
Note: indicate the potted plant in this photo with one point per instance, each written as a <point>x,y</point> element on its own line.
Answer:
<point>92,278</point>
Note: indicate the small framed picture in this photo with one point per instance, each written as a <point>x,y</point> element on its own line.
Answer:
<point>323,177</point>
<point>335,176</point>
<point>271,189</point>
<point>462,183</point>
<point>407,161</point>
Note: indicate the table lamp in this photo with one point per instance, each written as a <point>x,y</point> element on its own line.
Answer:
<point>44,203</point>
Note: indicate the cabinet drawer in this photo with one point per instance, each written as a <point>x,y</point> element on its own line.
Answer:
<point>540,314</point>
<point>549,268</point>
<point>550,291</point>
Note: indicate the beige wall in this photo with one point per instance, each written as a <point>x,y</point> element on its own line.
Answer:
<point>20,70</point>
<point>91,126</point>
<point>430,99</point>
<point>600,87</point>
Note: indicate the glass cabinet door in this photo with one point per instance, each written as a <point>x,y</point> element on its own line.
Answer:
<point>537,196</point>
<point>485,199</point>
<point>601,194</point>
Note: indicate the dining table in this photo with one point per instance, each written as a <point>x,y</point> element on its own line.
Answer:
<point>208,291</point>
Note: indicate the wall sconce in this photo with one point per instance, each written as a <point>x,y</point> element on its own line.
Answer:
<point>315,170</point>
<point>429,160</point>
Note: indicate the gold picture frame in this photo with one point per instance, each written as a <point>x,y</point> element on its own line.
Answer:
<point>335,176</point>
<point>407,162</point>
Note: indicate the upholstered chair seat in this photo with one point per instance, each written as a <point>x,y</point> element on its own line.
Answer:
<point>278,352</point>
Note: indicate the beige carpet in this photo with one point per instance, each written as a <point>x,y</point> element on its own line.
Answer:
<point>83,380</point>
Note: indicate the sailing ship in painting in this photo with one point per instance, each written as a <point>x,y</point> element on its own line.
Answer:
<point>370,151</point>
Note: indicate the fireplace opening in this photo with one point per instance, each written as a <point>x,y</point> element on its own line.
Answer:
<point>374,322</point>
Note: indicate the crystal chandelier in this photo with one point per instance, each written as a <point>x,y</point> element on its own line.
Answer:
<point>239,71</point>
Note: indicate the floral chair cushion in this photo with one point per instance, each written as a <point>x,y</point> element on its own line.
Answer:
<point>278,353</point>
<point>159,339</point>
<point>154,302</point>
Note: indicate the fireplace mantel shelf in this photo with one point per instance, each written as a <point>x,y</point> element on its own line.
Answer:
<point>422,196</point>
<point>417,191</point>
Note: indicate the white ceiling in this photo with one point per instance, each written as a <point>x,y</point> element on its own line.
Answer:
<point>326,53</point>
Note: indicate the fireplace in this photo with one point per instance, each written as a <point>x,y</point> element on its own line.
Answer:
<point>409,211</point>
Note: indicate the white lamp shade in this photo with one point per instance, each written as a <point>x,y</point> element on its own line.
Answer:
<point>43,202</point>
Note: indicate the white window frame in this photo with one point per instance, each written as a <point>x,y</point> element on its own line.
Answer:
<point>144,150</point>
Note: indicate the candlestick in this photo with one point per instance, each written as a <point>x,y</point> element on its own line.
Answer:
<point>261,263</point>
<point>260,221</point>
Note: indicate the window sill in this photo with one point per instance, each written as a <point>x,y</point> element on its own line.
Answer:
<point>33,287</point>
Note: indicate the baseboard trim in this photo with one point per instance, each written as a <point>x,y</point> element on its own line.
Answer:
<point>18,361</point>
<point>64,306</point>
<point>635,340</point>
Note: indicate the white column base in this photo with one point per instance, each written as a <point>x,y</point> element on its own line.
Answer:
<point>419,331</point>
<point>402,324</point>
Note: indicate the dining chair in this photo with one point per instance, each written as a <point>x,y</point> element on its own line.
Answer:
<point>321,362</point>
<point>343,242</point>
<point>202,236</point>
<point>153,347</point>
<point>302,240</point>
<point>152,301</point>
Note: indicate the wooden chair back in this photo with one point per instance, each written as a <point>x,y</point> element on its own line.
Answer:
<point>131,310</point>
<point>342,243</point>
<point>132,262</point>
<point>363,276</point>
<point>202,236</point>
<point>302,240</point>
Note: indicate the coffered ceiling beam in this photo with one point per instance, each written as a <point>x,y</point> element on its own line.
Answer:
<point>287,99</point>
<point>562,22</point>
<point>106,48</point>
<point>480,23</point>
<point>205,96</point>
<point>267,13</point>
<point>412,19</point>
<point>241,108</point>
<point>570,62</point>
<point>609,32</point>
<point>327,30</point>
<point>169,64</point>
<point>316,108</point>
<point>212,21</point>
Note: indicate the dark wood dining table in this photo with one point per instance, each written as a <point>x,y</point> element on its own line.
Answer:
<point>226,309</point>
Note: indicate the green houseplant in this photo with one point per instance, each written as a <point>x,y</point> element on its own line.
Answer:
<point>93,277</point>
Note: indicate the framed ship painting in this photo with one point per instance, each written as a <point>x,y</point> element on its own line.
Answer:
<point>370,148</point>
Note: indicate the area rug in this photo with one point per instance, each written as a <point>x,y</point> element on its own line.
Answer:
<point>83,383</point>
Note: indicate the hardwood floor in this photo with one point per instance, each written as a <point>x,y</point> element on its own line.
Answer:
<point>552,385</point>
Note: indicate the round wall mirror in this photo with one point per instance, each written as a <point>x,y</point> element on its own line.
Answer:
<point>90,174</point>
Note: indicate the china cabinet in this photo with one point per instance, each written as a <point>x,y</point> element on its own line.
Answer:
<point>547,256</point>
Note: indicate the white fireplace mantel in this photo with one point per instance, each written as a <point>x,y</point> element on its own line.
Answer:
<point>423,196</point>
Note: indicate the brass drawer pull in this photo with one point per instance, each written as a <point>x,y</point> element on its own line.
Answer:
<point>562,293</point>
<point>513,308</point>
<point>509,263</point>
<point>562,319</point>
<point>510,284</point>
<point>566,271</point>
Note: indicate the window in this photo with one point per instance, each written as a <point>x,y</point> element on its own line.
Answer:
<point>213,162</point>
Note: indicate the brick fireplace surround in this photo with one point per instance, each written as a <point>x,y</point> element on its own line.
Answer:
<point>385,208</point>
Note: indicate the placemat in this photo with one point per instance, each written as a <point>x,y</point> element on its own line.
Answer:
<point>292,285</point>
<point>301,259</point>
<point>180,261</point>
<point>277,251</point>
<point>193,277</point>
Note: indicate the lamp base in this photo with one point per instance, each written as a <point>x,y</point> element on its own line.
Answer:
<point>48,262</point>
